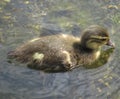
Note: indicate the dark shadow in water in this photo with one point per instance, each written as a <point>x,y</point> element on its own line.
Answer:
<point>48,69</point>
<point>45,31</point>
<point>50,29</point>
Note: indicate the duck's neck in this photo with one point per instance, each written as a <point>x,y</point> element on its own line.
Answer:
<point>92,54</point>
<point>95,52</point>
<point>86,55</point>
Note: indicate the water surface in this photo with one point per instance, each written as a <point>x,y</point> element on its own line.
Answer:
<point>22,20</point>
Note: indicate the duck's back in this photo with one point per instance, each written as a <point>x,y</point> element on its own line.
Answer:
<point>48,49</point>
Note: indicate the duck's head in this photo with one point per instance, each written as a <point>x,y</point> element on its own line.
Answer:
<point>94,37</point>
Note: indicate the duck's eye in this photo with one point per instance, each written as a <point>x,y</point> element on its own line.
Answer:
<point>103,39</point>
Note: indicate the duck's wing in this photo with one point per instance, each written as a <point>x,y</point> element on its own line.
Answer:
<point>44,45</point>
<point>24,53</point>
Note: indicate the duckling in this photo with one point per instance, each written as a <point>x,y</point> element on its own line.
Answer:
<point>63,51</point>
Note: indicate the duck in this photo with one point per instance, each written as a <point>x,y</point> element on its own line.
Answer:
<point>63,51</point>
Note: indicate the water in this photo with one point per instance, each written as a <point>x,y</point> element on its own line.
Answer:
<point>22,20</point>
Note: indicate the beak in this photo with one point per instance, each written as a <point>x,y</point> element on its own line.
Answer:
<point>110,43</point>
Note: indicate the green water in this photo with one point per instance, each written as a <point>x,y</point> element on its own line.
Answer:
<point>22,20</point>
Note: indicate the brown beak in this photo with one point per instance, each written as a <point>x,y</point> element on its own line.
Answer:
<point>110,43</point>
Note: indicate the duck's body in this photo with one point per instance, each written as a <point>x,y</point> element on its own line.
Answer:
<point>58,51</point>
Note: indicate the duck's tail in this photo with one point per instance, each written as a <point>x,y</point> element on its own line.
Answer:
<point>18,56</point>
<point>11,55</point>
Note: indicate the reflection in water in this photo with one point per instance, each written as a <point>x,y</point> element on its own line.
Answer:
<point>104,57</point>
<point>22,20</point>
